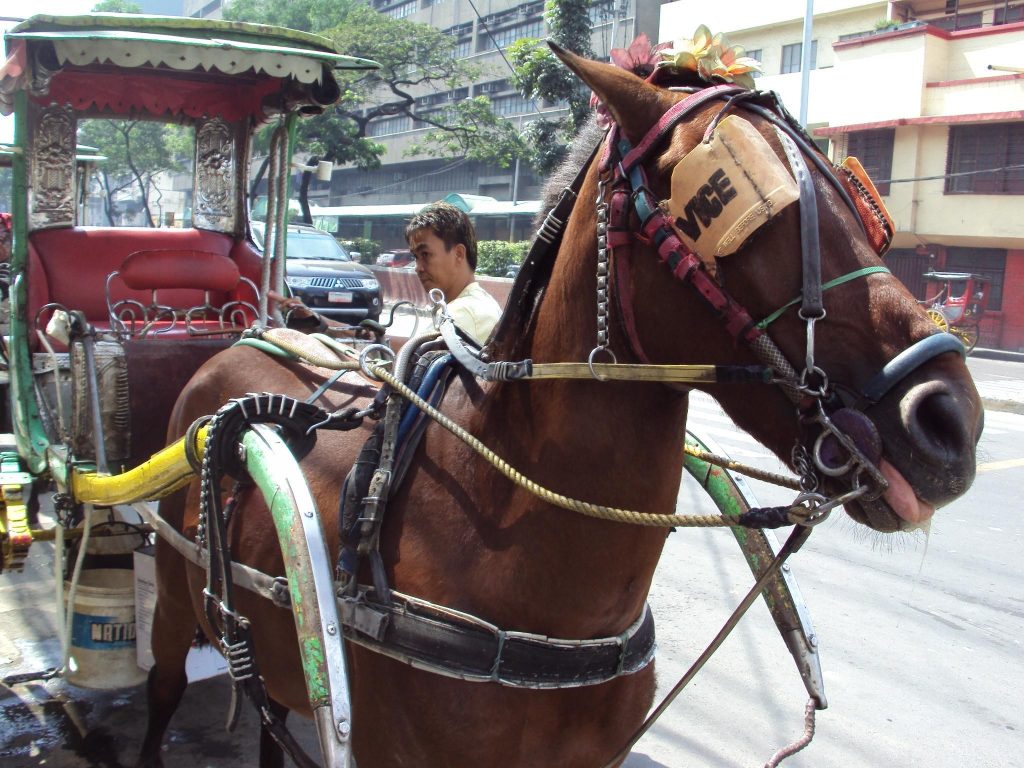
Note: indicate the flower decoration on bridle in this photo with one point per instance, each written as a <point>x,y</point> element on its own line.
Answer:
<point>711,57</point>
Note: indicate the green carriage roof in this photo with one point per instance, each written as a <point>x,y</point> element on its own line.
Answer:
<point>83,56</point>
<point>184,32</point>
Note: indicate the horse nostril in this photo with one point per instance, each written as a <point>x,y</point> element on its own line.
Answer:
<point>935,422</point>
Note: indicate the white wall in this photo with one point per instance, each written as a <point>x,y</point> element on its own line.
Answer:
<point>683,16</point>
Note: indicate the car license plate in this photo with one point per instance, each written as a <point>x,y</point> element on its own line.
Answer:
<point>340,297</point>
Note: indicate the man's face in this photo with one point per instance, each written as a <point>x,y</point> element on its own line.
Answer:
<point>437,266</point>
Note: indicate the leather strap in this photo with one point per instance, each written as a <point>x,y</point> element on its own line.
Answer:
<point>811,303</point>
<point>458,645</point>
<point>668,121</point>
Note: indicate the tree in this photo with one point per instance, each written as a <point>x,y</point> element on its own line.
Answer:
<point>540,75</point>
<point>117,6</point>
<point>137,151</point>
<point>415,59</point>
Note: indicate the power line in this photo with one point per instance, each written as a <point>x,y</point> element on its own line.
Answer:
<point>1018,167</point>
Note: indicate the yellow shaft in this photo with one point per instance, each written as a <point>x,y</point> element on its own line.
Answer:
<point>165,472</point>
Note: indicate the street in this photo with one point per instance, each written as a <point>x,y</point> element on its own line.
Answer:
<point>920,641</point>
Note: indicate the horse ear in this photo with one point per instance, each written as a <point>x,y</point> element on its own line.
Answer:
<point>634,104</point>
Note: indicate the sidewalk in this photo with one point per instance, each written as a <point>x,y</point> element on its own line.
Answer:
<point>999,379</point>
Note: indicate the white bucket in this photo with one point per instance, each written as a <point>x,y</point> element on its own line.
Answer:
<point>102,653</point>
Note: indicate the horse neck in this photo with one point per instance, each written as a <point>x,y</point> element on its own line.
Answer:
<point>617,444</point>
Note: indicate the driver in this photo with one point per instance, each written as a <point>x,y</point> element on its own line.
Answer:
<point>442,240</point>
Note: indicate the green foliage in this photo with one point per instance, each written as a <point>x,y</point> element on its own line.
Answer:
<point>368,249</point>
<point>494,257</point>
<point>137,151</point>
<point>548,142</point>
<point>478,134</point>
<point>117,6</point>
<point>882,25</point>
<point>415,58</point>
<point>540,75</point>
<point>305,15</point>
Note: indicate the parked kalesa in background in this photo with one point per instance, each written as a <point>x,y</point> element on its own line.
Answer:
<point>107,327</point>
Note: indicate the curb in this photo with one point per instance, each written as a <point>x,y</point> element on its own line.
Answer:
<point>997,354</point>
<point>1006,406</point>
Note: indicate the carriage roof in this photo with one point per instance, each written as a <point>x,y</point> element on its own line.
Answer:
<point>44,52</point>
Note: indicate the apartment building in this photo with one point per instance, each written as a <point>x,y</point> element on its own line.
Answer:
<point>929,94</point>
<point>482,30</point>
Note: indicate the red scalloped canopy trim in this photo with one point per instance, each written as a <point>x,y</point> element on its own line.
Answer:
<point>134,94</point>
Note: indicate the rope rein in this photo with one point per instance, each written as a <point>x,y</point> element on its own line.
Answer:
<point>778,516</point>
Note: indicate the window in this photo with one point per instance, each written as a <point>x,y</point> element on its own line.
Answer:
<point>402,10</point>
<point>987,262</point>
<point>957,21</point>
<point>390,125</point>
<point>986,159</point>
<point>502,38</point>
<point>166,183</point>
<point>791,56</point>
<point>874,150</point>
<point>511,105</point>
<point>463,34</point>
<point>756,54</point>
<point>601,12</point>
<point>1009,15</point>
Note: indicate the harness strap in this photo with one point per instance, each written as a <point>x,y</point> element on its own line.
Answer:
<point>793,543</point>
<point>762,324</point>
<point>668,121</point>
<point>811,306</point>
<point>793,129</point>
<point>456,644</point>
<point>272,588</point>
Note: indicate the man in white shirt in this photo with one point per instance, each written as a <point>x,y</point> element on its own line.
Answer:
<point>442,239</point>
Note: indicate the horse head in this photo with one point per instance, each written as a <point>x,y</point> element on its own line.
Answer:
<point>868,405</point>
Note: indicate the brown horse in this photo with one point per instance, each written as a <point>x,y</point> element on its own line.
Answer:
<point>460,535</point>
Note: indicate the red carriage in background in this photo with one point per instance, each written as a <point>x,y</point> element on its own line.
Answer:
<point>958,302</point>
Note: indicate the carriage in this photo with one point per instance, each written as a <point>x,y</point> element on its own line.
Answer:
<point>958,304</point>
<point>148,364</point>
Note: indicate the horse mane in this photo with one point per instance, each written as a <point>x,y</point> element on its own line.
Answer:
<point>516,325</point>
<point>579,153</point>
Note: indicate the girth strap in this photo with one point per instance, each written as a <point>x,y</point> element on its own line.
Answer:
<point>455,644</point>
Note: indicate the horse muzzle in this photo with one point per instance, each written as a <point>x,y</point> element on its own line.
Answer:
<point>929,435</point>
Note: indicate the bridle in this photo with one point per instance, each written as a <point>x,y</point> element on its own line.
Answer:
<point>623,192</point>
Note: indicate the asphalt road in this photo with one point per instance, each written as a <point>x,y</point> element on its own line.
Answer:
<point>920,638</point>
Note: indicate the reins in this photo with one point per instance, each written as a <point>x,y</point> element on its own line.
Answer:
<point>765,517</point>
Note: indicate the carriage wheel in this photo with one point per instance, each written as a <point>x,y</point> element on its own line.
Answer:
<point>968,335</point>
<point>939,319</point>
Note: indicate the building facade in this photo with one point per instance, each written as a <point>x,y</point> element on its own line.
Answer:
<point>929,95</point>
<point>481,30</point>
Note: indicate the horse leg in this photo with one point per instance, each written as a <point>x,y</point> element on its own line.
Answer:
<point>167,681</point>
<point>174,629</point>
<point>271,754</point>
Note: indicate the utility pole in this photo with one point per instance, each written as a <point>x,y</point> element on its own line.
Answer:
<point>805,61</point>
